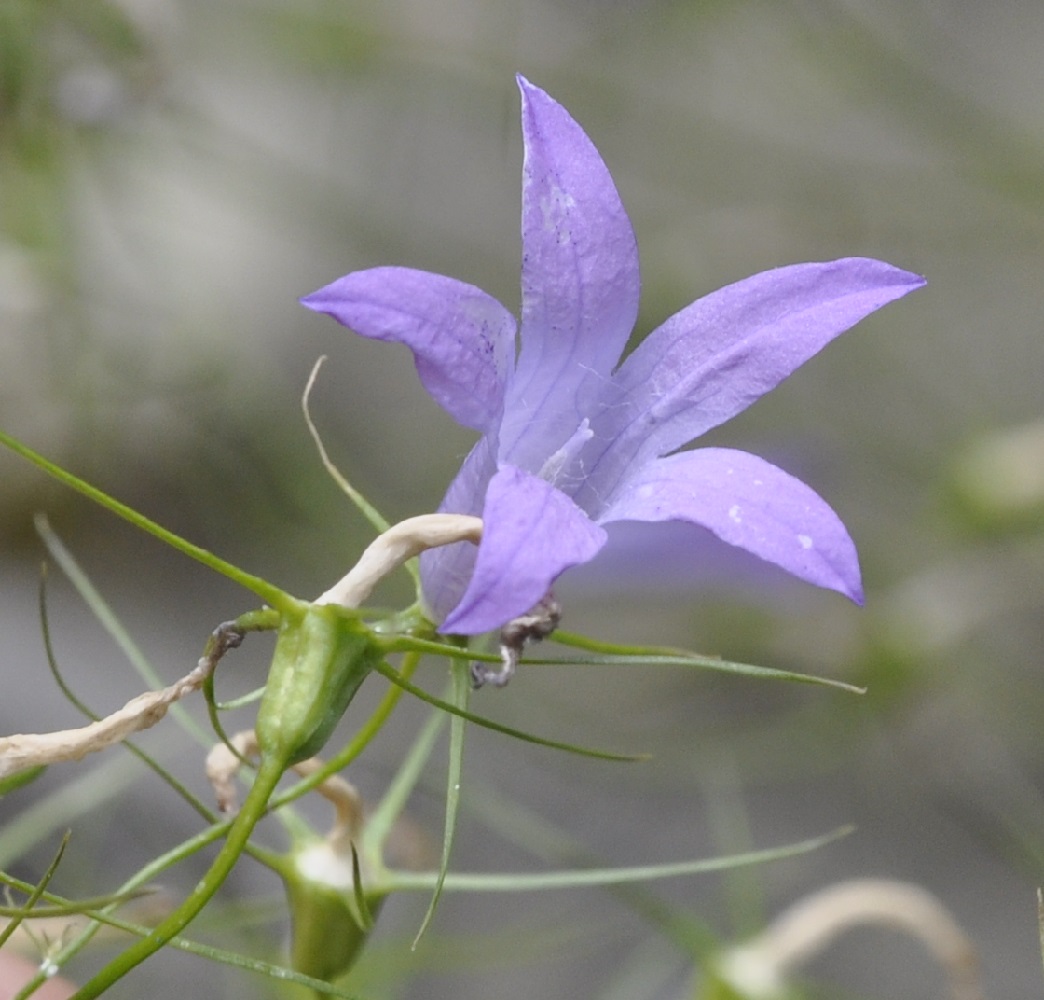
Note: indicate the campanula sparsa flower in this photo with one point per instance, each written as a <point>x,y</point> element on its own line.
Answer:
<point>571,438</point>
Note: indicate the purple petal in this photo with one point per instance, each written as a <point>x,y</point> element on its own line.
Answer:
<point>532,533</point>
<point>446,571</point>
<point>746,502</point>
<point>717,356</point>
<point>462,339</point>
<point>579,282</point>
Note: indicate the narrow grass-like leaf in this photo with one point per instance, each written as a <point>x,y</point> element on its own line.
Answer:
<point>148,760</point>
<point>18,914</point>
<point>92,788</point>
<point>262,620</point>
<point>381,820</point>
<point>520,826</point>
<point>241,702</point>
<point>362,904</point>
<point>461,688</point>
<point>215,719</point>
<point>368,510</point>
<point>142,877</point>
<point>15,781</point>
<point>617,655</point>
<point>623,655</point>
<point>434,647</point>
<point>527,882</point>
<point>104,614</point>
<point>234,959</point>
<point>393,675</point>
<point>267,592</point>
<point>72,908</point>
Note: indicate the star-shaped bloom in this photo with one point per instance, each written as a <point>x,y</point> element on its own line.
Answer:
<point>571,438</point>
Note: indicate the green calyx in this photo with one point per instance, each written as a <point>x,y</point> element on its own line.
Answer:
<point>331,912</point>
<point>322,656</point>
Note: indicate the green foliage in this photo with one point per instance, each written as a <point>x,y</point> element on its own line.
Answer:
<point>15,781</point>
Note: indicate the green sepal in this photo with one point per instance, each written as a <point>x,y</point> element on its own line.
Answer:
<point>331,914</point>
<point>322,655</point>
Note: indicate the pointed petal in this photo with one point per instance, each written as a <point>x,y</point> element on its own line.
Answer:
<point>717,356</point>
<point>462,339</point>
<point>746,502</point>
<point>579,282</point>
<point>532,533</point>
<point>446,571</point>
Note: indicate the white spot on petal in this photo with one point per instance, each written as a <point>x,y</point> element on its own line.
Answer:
<point>805,541</point>
<point>735,515</point>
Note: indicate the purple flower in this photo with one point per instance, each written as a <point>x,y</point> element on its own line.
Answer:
<point>569,440</point>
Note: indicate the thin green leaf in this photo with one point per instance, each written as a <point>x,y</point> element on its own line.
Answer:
<point>18,914</point>
<point>520,826</point>
<point>622,655</point>
<point>215,719</point>
<point>92,788</point>
<point>233,959</point>
<point>367,509</point>
<point>72,908</point>
<point>525,882</point>
<point>617,655</point>
<point>393,675</point>
<point>15,781</point>
<point>100,609</point>
<point>365,912</point>
<point>267,592</point>
<point>241,702</point>
<point>280,973</point>
<point>460,691</point>
<point>143,876</point>
<point>148,760</point>
<point>380,822</point>
<point>413,644</point>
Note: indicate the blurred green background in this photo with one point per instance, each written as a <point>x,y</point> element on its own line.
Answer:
<point>174,175</point>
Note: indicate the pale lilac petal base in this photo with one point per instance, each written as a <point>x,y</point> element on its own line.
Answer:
<point>532,534</point>
<point>749,503</point>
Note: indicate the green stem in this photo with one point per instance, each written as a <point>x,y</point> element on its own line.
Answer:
<point>269,594</point>
<point>254,806</point>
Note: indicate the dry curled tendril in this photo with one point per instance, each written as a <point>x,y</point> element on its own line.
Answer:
<point>225,760</point>
<point>26,750</point>
<point>386,553</point>
<point>761,968</point>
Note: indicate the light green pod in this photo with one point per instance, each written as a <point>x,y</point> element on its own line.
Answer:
<point>321,658</point>
<point>331,916</point>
